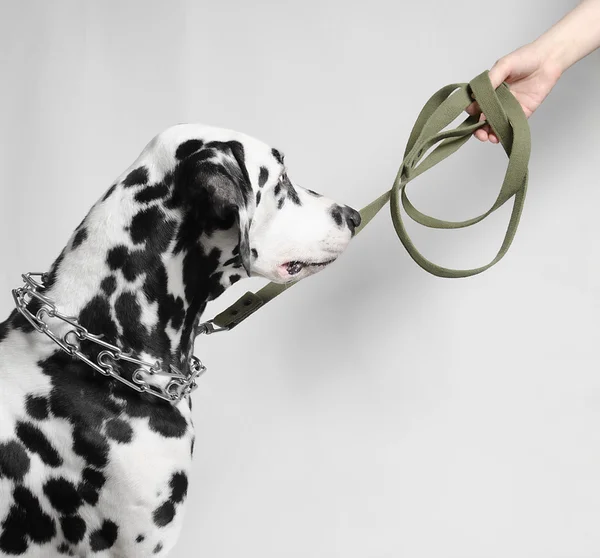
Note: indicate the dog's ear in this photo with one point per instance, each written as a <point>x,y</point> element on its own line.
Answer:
<point>213,183</point>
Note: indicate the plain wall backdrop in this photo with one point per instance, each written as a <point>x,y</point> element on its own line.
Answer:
<point>373,411</point>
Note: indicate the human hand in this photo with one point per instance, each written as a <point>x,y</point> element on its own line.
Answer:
<point>530,72</point>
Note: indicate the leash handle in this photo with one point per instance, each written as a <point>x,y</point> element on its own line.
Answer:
<point>506,118</point>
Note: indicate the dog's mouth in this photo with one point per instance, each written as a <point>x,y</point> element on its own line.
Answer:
<point>296,266</point>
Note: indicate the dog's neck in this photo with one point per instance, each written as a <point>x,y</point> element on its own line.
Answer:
<point>141,276</point>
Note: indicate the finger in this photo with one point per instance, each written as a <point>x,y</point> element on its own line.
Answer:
<point>499,72</point>
<point>473,109</point>
<point>481,134</point>
<point>493,138</point>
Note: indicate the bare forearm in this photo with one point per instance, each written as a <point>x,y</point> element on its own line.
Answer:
<point>534,69</point>
<point>575,36</point>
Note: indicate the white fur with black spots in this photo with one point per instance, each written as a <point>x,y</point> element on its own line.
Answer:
<point>88,467</point>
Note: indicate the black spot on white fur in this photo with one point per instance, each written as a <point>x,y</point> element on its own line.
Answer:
<point>14,460</point>
<point>109,192</point>
<point>337,215</point>
<point>37,407</point>
<point>263,176</point>
<point>64,548</point>
<point>136,177</point>
<point>90,485</point>
<point>62,495</point>
<point>108,285</point>
<point>119,430</point>
<point>37,442</point>
<point>152,193</point>
<point>80,236</point>
<point>188,147</point>
<point>165,513</point>
<point>25,523</point>
<point>179,487</point>
<point>73,528</point>
<point>145,223</point>
<point>105,537</point>
<point>90,444</point>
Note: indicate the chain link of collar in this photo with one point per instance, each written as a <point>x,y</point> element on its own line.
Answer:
<point>178,387</point>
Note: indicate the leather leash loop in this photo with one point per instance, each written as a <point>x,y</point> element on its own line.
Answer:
<point>507,120</point>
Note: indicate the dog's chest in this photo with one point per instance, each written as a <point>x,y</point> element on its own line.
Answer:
<point>85,471</point>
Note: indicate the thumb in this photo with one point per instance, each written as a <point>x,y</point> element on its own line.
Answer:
<point>500,71</point>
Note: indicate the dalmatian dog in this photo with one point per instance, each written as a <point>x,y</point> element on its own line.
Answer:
<point>88,466</point>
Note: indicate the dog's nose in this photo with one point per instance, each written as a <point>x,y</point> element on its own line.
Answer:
<point>353,218</point>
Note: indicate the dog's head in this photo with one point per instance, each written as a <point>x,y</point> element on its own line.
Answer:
<point>240,186</point>
<point>296,232</point>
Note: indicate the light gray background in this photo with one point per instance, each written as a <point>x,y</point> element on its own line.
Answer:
<point>373,411</point>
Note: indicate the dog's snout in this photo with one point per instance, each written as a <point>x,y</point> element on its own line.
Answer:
<point>353,218</point>
<point>343,214</point>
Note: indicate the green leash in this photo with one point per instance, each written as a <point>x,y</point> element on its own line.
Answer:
<point>506,118</point>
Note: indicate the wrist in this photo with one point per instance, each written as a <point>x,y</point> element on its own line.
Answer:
<point>556,54</point>
<point>572,38</point>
